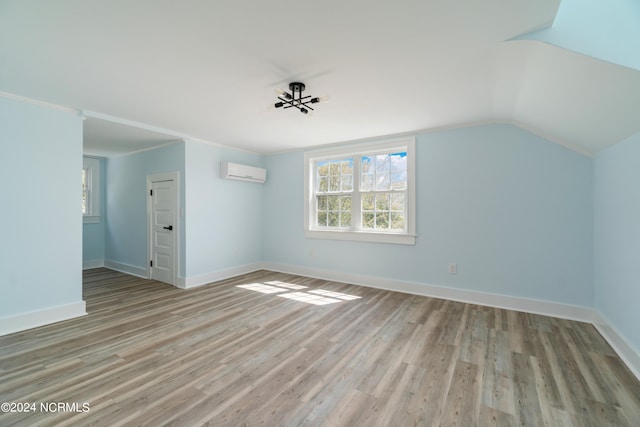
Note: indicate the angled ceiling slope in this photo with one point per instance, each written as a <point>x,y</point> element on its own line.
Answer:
<point>607,30</point>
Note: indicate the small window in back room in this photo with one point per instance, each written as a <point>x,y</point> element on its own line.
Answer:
<point>90,180</point>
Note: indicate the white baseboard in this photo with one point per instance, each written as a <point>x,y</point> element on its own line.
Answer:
<point>33,319</point>
<point>214,276</point>
<point>126,268</point>
<point>629,355</point>
<point>95,263</point>
<point>547,308</point>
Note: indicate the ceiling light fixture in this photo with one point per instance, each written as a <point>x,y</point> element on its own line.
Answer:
<point>296,100</point>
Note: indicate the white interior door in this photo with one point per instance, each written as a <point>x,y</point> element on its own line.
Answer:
<point>163,229</point>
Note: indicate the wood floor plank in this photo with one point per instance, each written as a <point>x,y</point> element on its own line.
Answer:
<point>497,384</point>
<point>526,398</point>
<point>462,406</point>
<point>491,417</point>
<point>227,354</point>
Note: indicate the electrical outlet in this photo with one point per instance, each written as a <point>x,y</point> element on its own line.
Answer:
<point>453,268</point>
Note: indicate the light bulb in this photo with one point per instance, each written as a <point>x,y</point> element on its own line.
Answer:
<point>283,94</point>
<point>319,99</point>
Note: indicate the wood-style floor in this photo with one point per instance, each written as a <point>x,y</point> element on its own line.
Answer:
<point>284,351</point>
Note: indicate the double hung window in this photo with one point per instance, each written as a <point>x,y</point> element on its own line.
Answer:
<point>362,192</point>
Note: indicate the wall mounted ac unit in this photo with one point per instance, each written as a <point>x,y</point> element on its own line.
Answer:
<point>240,172</point>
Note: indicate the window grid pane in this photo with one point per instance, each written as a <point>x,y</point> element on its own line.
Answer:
<point>383,172</point>
<point>334,176</point>
<point>383,210</point>
<point>333,211</point>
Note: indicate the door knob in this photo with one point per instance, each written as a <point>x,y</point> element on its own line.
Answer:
<point>170,227</point>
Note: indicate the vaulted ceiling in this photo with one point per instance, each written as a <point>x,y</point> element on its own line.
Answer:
<point>147,72</point>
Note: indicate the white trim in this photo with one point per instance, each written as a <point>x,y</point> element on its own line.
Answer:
<point>142,150</point>
<point>362,236</point>
<point>629,355</point>
<point>127,269</point>
<point>179,140</point>
<point>131,123</point>
<point>214,276</point>
<point>33,319</point>
<point>413,133</point>
<point>368,146</point>
<point>168,132</point>
<point>462,125</point>
<point>547,308</point>
<point>94,263</point>
<point>217,144</point>
<point>159,177</point>
<point>39,103</point>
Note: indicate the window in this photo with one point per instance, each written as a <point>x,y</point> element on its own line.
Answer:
<point>90,190</point>
<point>361,192</point>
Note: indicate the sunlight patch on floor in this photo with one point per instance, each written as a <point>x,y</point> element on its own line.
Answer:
<point>309,298</point>
<point>314,296</point>
<point>285,285</point>
<point>259,287</point>
<point>332,294</point>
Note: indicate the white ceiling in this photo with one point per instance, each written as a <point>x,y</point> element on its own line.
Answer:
<point>106,138</point>
<point>165,70</point>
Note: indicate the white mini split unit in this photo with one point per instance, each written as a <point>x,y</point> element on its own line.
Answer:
<point>240,172</point>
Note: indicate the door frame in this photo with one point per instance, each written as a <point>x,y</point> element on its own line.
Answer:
<point>177,214</point>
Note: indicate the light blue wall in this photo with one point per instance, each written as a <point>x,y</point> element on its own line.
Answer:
<point>126,189</point>
<point>93,234</point>
<point>617,237</point>
<point>514,211</point>
<point>40,166</point>
<point>220,221</point>
<point>223,217</point>
<point>607,30</point>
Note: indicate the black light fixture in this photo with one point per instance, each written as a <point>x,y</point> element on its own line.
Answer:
<point>294,99</point>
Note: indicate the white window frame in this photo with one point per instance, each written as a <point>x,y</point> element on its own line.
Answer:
<point>406,237</point>
<point>92,166</point>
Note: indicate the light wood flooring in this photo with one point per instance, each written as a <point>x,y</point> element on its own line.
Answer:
<point>224,355</point>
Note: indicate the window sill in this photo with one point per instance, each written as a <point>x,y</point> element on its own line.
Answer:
<point>91,219</point>
<point>361,236</point>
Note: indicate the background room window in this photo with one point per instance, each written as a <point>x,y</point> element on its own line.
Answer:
<point>86,191</point>
<point>361,192</point>
<point>90,190</point>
